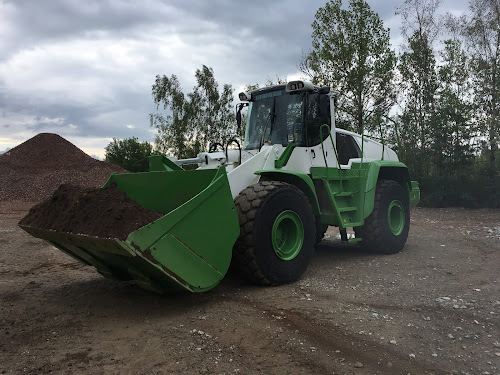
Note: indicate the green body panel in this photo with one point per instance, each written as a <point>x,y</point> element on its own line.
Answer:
<point>394,170</point>
<point>160,163</point>
<point>387,169</point>
<point>299,179</point>
<point>283,159</point>
<point>346,196</point>
<point>190,247</point>
<point>341,194</point>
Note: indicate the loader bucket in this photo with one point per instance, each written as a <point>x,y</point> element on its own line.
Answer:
<point>188,248</point>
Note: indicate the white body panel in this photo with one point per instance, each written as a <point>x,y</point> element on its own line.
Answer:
<point>301,160</point>
<point>243,176</point>
<point>317,157</point>
<point>372,149</point>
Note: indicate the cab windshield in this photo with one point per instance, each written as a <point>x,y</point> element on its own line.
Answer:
<point>275,117</point>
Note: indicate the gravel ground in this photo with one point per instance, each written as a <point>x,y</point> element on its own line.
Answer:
<point>432,309</point>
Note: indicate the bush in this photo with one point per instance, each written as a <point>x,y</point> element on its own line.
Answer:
<point>129,154</point>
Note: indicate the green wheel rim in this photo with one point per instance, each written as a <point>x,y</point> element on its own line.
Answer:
<point>396,217</point>
<point>287,235</point>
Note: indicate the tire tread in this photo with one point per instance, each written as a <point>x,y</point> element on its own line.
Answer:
<point>247,204</point>
<point>373,238</point>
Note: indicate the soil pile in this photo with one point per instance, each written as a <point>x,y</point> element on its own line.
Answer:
<point>106,213</point>
<point>32,171</point>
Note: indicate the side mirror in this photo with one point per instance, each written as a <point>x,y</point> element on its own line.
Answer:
<point>324,90</point>
<point>239,107</point>
<point>324,105</point>
<point>238,118</point>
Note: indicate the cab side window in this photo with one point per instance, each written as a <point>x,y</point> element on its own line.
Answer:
<point>347,148</point>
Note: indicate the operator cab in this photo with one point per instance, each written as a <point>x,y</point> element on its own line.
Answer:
<point>284,114</point>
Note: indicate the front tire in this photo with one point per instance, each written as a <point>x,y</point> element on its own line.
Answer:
<point>320,231</point>
<point>386,229</point>
<point>277,233</point>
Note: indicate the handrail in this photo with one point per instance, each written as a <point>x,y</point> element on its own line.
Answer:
<point>379,115</point>
<point>363,135</point>
<point>333,145</point>
<point>381,134</point>
<point>397,135</point>
<point>382,139</point>
<point>335,152</point>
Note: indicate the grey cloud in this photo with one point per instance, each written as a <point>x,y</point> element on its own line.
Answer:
<point>97,96</point>
<point>39,21</point>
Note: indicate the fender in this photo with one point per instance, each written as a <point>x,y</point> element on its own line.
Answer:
<point>387,169</point>
<point>301,180</point>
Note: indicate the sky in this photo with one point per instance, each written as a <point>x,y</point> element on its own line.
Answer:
<point>84,69</point>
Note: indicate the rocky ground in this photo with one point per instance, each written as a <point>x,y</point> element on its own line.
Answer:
<point>433,309</point>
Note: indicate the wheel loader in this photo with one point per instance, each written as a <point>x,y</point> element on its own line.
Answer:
<point>261,206</point>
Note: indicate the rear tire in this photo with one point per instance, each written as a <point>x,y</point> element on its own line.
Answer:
<point>277,233</point>
<point>386,229</point>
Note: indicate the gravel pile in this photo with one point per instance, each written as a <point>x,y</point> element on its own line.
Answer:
<point>32,171</point>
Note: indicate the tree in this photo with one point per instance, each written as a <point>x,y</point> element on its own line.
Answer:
<point>129,154</point>
<point>194,120</point>
<point>351,52</point>
<point>279,81</point>
<point>418,86</point>
<point>482,33</point>
<point>452,148</point>
<point>175,131</point>
<point>419,16</point>
<point>453,145</point>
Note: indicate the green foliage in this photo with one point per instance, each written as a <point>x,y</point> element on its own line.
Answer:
<point>482,33</point>
<point>190,122</point>
<point>279,81</point>
<point>467,187</point>
<point>176,129</point>
<point>419,16</point>
<point>454,129</point>
<point>129,154</point>
<point>419,85</point>
<point>351,52</point>
<point>449,122</point>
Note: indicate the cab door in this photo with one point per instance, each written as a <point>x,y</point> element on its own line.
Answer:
<point>317,114</point>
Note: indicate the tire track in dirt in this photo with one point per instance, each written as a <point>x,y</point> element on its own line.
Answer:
<point>456,314</point>
<point>353,348</point>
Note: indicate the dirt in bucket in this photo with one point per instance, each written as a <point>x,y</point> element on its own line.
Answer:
<point>105,213</point>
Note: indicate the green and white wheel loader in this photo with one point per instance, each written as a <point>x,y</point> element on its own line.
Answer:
<point>261,206</point>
